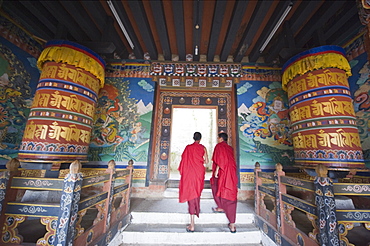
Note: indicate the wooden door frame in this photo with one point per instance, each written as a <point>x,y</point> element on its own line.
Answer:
<point>225,101</point>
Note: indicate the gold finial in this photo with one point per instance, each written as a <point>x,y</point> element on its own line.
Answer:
<point>111,164</point>
<point>75,167</point>
<point>13,164</point>
<point>279,167</point>
<point>321,171</point>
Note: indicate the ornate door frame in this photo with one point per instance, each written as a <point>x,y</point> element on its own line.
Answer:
<point>224,101</point>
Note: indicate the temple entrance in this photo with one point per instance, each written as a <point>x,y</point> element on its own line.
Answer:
<point>172,114</point>
<point>186,121</point>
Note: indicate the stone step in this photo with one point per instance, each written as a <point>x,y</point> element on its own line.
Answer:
<point>163,222</point>
<point>205,234</point>
<point>178,244</point>
<point>174,183</point>
<point>172,205</point>
<point>183,218</point>
<point>174,193</point>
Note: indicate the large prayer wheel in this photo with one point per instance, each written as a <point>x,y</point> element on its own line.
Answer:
<point>322,115</point>
<point>61,117</point>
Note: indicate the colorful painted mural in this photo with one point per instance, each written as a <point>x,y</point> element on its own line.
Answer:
<point>18,78</point>
<point>122,121</point>
<point>360,89</point>
<point>264,133</point>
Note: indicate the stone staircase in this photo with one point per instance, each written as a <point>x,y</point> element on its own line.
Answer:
<point>162,221</point>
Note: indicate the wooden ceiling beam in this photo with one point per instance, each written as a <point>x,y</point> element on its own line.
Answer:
<point>274,18</point>
<point>317,21</point>
<point>31,24</point>
<point>41,14</point>
<point>168,13</point>
<point>216,28</point>
<point>197,21</point>
<point>349,11</point>
<point>56,9</point>
<point>266,23</point>
<point>188,26</point>
<point>126,20</point>
<point>78,13</point>
<point>178,11</point>
<point>239,11</point>
<point>347,31</point>
<point>252,29</point>
<point>152,26</point>
<point>225,24</point>
<point>298,20</point>
<point>97,13</point>
<point>207,15</point>
<point>160,23</point>
<point>105,17</point>
<point>143,27</point>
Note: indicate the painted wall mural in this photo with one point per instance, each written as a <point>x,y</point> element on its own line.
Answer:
<point>360,89</point>
<point>123,120</point>
<point>264,133</point>
<point>18,78</point>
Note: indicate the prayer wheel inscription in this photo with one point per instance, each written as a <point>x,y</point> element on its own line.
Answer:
<point>61,117</point>
<point>322,115</point>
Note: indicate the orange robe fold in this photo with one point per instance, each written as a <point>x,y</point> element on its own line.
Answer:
<point>192,172</point>
<point>223,156</point>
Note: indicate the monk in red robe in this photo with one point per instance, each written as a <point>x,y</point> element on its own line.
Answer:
<point>224,181</point>
<point>192,171</point>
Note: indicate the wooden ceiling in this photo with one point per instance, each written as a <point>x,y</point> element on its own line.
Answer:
<point>167,30</point>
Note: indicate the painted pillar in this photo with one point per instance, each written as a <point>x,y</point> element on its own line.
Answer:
<point>325,209</point>
<point>59,125</point>
<point>322,115</point>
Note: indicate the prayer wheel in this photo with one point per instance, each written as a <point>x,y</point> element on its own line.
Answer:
<point>322,115</point>
<point>61,117</point>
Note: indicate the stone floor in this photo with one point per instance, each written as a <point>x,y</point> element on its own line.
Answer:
<point>162,221</point>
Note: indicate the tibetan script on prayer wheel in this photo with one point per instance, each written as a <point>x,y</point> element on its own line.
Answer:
<point>61,117</point>
<point>322,115</point>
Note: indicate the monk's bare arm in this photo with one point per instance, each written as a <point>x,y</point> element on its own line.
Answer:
<point>206,160</point>
<point>216,171</point>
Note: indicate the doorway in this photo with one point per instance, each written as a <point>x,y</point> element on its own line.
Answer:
<point>186,121</point>
<point>171,100</point>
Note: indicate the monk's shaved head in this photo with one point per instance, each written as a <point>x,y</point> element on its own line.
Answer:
<point>197,136</point>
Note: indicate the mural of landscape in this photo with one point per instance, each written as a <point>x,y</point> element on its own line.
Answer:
<point>123,120</point>
<point>263,122</point>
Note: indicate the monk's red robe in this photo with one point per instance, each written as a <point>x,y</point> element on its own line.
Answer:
<point>223,156</point>
<point>192,172</point>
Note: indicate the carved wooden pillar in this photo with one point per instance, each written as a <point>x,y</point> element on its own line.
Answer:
<point>325,208</point>
<point>279,189</point>
<point>65,230</point>
<point>257,182</point>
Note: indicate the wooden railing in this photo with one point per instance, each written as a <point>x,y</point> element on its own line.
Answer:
<point>293,211</point>
<point>74,210</point>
